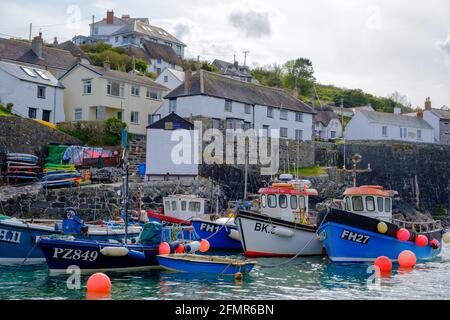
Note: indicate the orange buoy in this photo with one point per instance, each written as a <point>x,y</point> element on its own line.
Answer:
<point>97,295</point>
<point>403,234</point>
<point>384,263</point>
<point>421,240</point>
<point>180,248</point>
<point>407,259</point>
<point>435,244</point>
<point>204,245</point>
<point>164,248</point>
<point>99,283</point>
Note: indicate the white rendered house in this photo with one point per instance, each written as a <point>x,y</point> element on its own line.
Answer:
<point>35,92</point>
<point>170,78</point>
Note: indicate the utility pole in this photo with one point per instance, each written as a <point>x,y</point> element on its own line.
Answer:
<point>93,22</point>
<point>31,27</point>
<point>198,58</point>
<point>245,57</point>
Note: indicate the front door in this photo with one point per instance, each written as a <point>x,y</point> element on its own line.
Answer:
<point>46,115</point>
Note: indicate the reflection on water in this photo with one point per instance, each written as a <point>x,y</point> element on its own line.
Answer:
<point>302,278</point>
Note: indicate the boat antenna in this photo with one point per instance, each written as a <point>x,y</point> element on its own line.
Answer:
<point>342,124</point>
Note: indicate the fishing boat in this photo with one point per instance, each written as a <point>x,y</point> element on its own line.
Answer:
<point>283,227</point>
<point>18,236</point>
<point>362,228</point>
<point>193,263</point>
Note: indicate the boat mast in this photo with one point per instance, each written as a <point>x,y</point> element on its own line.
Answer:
<point>246,170</point>
<point>124,141</point>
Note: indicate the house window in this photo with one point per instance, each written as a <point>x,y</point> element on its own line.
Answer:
<point>78,114</point>
<point>247,108</point>
<point>153,94</point>
<point>247,125</point>
<point>135,90</point>
<point>116,39</point>
<point>215,123</point>
<point>32,113</point>
<point>46,115</point>
<point>134,117</point>
<point>173,105</point>
<point>119,115</point>
<point>298,135</point>
<point>166,79</point>
<point>419,134</point>
<point>266,130</point>
<point>269,112</point>
<point>41,92</point>
<point>228,106</point>
<point>115,88</point>
<point>158,70</point>
<point>283,114</point>
<point>87,86</point>
<point>299,117</point>
<point>333,134</point>
<point>446,127</point>
<point>152,118</point>
<point>283,132</point>
<point>402,132</point>
<point>159,61</point>
<point>384,131</point>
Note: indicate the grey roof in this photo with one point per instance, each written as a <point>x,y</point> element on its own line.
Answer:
<point>324,115</point>
<point>16,71</point>
<point>73,49</point>
<point>20,51</point>
<point>161,51</point>
<point>215,85</point>
<point>143,80</point>
<point>441,113</point>
<point>146,29</point>
<point>395,119</point>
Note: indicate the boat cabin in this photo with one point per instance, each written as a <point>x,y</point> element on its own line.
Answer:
<point>371,201</point>
<point>287,200</point>
<point>184,206</point>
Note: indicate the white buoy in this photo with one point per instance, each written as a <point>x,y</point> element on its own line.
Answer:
<point>446,237</point>
<point>282,232</point>
<point>234,234</point>
<point>114,251</point>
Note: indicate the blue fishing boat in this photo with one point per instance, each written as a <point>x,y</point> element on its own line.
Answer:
<point>18,236</point>
<point>364,229</point>
<point>204,264</point>
<point>222,233</point>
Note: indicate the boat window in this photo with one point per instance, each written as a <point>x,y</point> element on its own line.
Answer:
<point>282,199</point>
<point>357,203</point>
<point>183,205</point>
<point>174,205</point>
<point>301,202</point>
<point>263,201</point>
<point>370,204</point>
<point>167,205</point>
<point>272,200</point>
<point>380,204</point>
<point>348,206</point>
<point>387,205</point>
<point>293,202</point>
<point>194,206</point>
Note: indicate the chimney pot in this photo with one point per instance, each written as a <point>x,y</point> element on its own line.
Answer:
<point>187,80</point>
<point>110,17</point>
<point>428,103</point>
<point>37,44</point>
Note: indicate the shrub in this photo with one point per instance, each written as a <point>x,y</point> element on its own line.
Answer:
<point>9,107</point>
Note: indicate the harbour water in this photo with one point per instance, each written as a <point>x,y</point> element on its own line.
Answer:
<point>302,278</point>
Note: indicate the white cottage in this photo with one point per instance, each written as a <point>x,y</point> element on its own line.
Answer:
<point>170,149</point>
<point>170,78</point>
<point>372,125</point>
<point>439,119</point>
<point>241,104</point>
<point>34,92</point>
<point>327,124</point>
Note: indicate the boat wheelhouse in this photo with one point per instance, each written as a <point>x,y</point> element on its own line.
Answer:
<point>184,207</point>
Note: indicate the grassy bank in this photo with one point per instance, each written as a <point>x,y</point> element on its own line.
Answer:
<point>311,171</point>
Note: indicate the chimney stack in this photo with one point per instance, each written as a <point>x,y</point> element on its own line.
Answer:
<point>427,104</point>
<point>187,80</point>
<point>397,111</point>
<point>106,64</point>
<point>110,17</point>
<point>125,17</point>
<point>419,113</point>
<point>37,45</point>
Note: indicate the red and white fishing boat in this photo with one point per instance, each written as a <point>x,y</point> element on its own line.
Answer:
<point>283,227</point>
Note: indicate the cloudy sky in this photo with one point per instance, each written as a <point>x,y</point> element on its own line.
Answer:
<point>379,46</point>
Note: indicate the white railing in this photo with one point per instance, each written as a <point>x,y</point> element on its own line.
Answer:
<point>420,227</point>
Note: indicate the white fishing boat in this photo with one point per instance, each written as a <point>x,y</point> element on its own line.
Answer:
<point>283,227</point>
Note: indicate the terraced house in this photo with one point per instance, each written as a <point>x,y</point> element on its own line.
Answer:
<point>97,93</point>
<point>234,104</point>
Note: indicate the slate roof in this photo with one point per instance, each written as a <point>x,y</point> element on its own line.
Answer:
<point>177,121</point>
<point>143,80</point>
<point>16,71</point>
<point>324,115</point>
<point>20,51</point>
<point>161,51</point>
<point>73,49</point>
<point>215,85</point>
<point>441,113</point>
<point>395,119</point>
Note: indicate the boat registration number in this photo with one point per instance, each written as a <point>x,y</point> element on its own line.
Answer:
<point>355,237</point>
<point>209,227</point>
<point>10,236</point>
<point>75,254</point>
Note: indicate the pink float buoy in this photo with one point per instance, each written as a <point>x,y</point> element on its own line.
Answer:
<point>421,240</point>
<point>403,234</point>
<point>407,259</point>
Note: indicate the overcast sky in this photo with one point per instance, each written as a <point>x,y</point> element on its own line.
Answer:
<point>379,46</point>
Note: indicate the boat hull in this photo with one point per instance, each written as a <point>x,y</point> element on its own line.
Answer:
<point>354,238</point>
<point>170,262</point>
<point>217,234</point>
<point>259,240</point>
<point>18,241</point>
<point>86,255</point>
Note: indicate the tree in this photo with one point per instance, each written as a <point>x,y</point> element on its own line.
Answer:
<point>351,98</point>
<point>269,75</point>
<point>140,66</point>
<point>299,75</point>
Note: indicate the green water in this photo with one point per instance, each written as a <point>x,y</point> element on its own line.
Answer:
<point>304,278</point>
